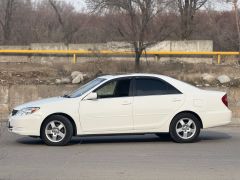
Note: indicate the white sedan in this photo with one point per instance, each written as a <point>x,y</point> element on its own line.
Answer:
<point>123,104</point>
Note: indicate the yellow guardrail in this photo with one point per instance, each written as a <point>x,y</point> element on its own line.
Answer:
<point>74,53</point>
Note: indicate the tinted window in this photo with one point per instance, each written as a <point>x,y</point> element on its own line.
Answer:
<point>85,88</point>
<point>117,88</point>
<point>148,86</point>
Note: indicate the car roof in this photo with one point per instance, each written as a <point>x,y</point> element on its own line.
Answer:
<point>108,77</point>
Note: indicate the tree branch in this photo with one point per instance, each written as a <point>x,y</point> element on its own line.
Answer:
<point>54,6</point>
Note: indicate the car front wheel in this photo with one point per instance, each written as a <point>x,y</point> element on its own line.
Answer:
<point>185,128</point>
<point>57,131</point>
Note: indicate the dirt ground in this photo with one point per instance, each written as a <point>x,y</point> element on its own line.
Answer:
<point>35,73</point>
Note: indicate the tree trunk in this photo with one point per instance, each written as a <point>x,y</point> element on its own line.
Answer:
<point>184,30</point>
<point>6,34</point>
<point>138,55</point>
<point>235,7</point>
<point>237,21</point>
<point>6,24</point>
<point>187,17</point>
<point>184,20</point>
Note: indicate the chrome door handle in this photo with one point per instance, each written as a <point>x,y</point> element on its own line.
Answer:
<point>176,100</point>
<point>126,103</point>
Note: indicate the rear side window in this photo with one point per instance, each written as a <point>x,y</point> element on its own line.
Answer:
<point>152,86</point>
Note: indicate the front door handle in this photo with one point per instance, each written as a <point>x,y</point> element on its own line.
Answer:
<point>126,103</point>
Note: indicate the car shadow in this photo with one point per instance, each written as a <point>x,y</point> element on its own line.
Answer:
<point>30,141</point>
<point>149,138</point>
<point>214,136</point>
<point>101,139</point>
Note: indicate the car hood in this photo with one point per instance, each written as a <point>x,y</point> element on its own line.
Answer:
<point>41,102</point>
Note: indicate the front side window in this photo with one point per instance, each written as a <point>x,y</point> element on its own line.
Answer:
<point>152,86</point>
<point>115,88</point>
<point>85,88</point>
<point>107,90</point>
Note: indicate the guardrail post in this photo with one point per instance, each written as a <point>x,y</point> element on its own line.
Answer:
<point>219,58</point>
<point>74,58</point>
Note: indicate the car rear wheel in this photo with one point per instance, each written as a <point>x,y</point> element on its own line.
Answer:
<point>57,131</point>
<point>185,128</point>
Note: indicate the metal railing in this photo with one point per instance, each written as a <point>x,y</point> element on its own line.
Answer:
<point>75,53</point>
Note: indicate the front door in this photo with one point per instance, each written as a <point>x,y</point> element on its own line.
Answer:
<point>112,111</point>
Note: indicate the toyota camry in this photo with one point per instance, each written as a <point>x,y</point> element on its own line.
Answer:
<point>123,104</point>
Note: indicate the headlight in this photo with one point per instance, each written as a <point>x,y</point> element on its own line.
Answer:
<point>27,111</point>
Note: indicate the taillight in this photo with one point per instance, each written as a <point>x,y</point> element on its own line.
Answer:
<point>225,100</point>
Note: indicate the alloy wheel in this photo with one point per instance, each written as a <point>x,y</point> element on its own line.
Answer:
<point>55,131</point>
<point>185,128</point>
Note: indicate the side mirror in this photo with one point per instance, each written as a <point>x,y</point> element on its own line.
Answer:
<point>91,96</point>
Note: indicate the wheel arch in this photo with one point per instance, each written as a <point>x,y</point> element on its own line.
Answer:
<point>190,112</point>
<point>66,116</point>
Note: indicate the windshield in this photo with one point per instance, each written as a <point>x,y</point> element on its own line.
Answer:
<point>85,88</point>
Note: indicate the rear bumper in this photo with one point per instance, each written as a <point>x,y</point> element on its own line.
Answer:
<point>25,125</point>
<point>217,118</point>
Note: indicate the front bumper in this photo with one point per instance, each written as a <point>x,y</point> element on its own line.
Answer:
<point>25,125</point>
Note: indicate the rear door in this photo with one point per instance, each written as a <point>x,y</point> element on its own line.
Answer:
<point>154,102</point>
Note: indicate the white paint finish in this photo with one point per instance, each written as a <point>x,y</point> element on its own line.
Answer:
<point>128,114</point>
<point>28,125</point>
<point>216,118</point>
<point>151,112</point>
<point>198,103</point>
<point>110,114</point>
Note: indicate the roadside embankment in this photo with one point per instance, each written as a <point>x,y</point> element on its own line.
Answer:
<point>11,96</point>
<point>23,82</point>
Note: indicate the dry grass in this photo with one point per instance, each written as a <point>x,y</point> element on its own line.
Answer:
<point>32,73</point>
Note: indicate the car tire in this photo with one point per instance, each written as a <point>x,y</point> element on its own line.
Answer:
<point>57,130</point>
<point>185,128</point>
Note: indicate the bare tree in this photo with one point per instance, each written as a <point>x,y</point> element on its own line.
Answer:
<point>24,21</point>
<point>68,29</point>
<point>7,8</point>
<point>236,13</point>
<point>187,10</point>
<point>136,18</point>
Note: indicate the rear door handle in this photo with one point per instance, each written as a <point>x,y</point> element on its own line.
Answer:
<point>176,100</point>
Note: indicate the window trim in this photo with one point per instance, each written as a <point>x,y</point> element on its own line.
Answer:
<point>117,79</point>
<point>153,78</point>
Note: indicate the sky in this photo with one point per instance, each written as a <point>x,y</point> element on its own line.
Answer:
<point>216,4</point>
<point>78,4</point>
<point>219,5</point>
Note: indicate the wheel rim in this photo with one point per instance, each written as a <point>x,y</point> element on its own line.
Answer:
<point>186,128</point>
<point>55,131</point>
